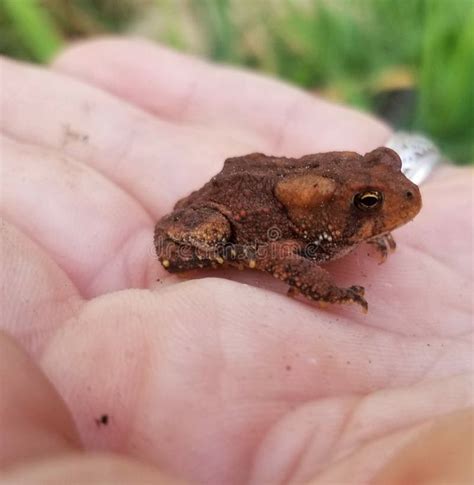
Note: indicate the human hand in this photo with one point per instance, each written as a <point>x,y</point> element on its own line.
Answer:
<point>208,379</point>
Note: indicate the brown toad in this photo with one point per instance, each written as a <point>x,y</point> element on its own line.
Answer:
<point>286,216</point>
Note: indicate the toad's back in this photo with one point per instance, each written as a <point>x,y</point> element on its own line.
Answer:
<point>246,180</point>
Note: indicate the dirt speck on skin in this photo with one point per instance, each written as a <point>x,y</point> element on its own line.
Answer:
<point>102,421</point>
<point>288,368</point>
<point>71,135</point>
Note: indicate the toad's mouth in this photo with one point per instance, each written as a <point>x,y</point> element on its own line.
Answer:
<point>366,230</point>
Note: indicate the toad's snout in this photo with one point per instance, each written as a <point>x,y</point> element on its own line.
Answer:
<point>411,199</point>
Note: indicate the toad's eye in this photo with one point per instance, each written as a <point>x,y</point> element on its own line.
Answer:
<point>369,200</point>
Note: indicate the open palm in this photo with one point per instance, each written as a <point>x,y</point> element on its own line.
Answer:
<point>221,378</point>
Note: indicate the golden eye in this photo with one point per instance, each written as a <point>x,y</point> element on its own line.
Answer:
<point>368,200</point>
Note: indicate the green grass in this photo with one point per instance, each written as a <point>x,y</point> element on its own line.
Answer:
<point>446,78</point>
<point>356,51</point>
<point>31,26</point>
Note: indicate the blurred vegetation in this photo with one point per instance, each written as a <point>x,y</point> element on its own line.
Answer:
<point>409,61</point>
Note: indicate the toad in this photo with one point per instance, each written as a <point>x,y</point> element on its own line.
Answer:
<point>287,216</point>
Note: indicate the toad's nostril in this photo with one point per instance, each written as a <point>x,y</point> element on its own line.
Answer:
<point>409,194</point>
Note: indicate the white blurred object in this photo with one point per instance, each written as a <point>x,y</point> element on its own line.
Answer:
<point>419,155</point>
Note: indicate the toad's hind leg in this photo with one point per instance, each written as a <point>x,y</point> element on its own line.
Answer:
<point>306,277</point>
<point>191,238</point>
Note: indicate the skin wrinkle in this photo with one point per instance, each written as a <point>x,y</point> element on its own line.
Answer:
<point>344,425</point>
<point>427,374</point>
<point>346,451</point>
<point>290,407</point>
<point>297,457</point>
<point>149,274</point>
<point>47,343</point>
<point>348,420</point>
<point>437,354</point>
<point>36,350</point>
<point>73,302</point>
<point>117,252</point>
<point>393,448</point>
<point>391,377</point>
<point>6,236</point>
<point>293,467</point>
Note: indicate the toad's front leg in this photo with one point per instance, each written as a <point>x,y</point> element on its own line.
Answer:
<point>306,277</point>
<point>384,244</point>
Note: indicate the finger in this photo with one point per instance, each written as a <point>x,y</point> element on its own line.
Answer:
<point>203,369</point>
<point>36,297</point>
<point>154,161</point>
<point>35,421</point>
<point>81,468</point>
<point>178,87</point>
<point>92,229</point>
<point>360,433</point>
<point>430,457</point>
